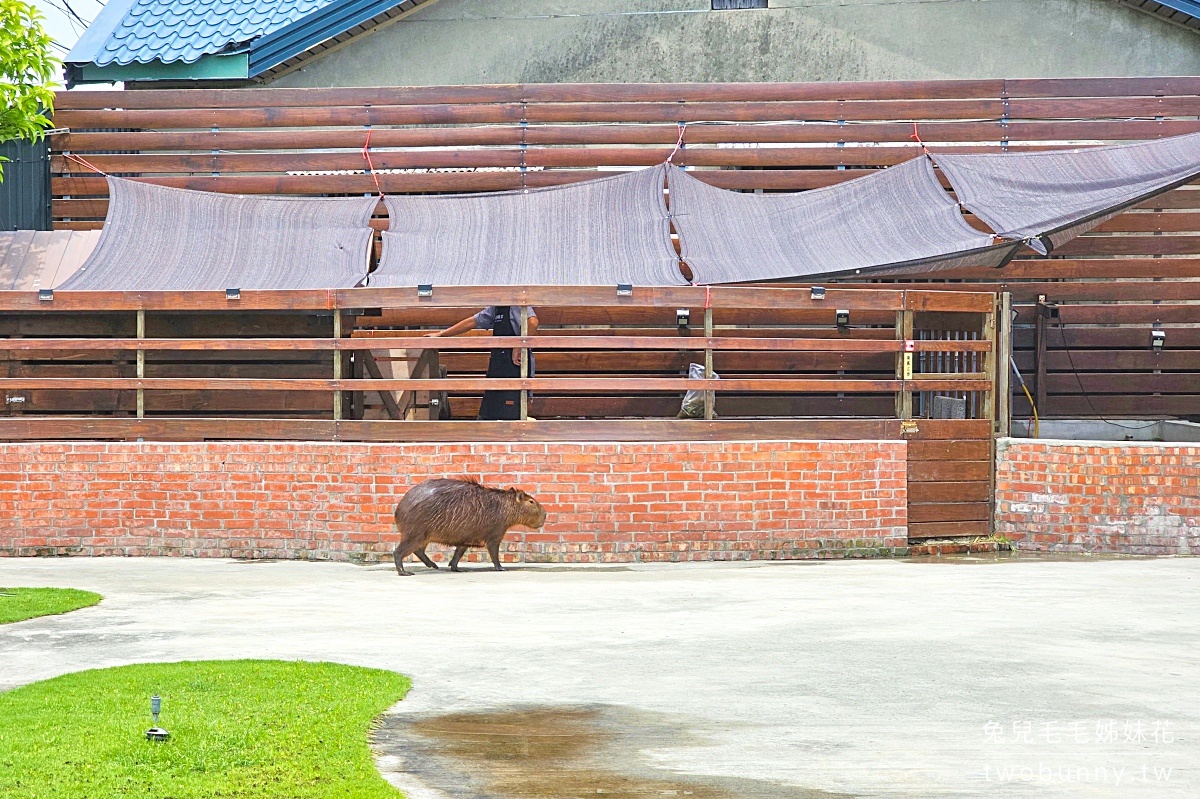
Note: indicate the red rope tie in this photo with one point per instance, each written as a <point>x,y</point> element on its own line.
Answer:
<point>85,163</point>
<point>916,136</point>
<point>678,142</point>
<point>366,154</point>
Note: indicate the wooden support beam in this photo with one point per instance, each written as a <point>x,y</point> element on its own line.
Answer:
<point>1004,336</point>
<point>337,368</point>
<point>1040,359</point>
<point>602,385</point>
<point>710,397</point>
<point>904,332</point>
<point>988,411</point>
<point>596,341</point>
<point>524,365</point>
<point>372,369</point>
<point>141,363</point>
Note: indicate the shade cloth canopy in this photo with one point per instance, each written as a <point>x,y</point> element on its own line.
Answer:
<point>897,218</point>
<point>599,232</point>
<point>1048,198</point>
<point>158,238</point>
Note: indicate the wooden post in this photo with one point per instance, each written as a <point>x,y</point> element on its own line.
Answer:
<point>141,364</point>
<point>337,364</point>
<point>358,399</point>
<point>1003,365</point>
<point>904,332</point>
<point>710,397</point>
<point>524,366</point>
<point>1040,354</point>
<point>988,411</point>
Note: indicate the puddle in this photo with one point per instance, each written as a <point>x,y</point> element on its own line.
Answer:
<point>555,753</point>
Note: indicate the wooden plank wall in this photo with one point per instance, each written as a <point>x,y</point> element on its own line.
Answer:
<point>1137,272</point>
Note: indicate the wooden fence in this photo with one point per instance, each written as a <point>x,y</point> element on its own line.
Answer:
<point>1111,288</point>
<point>320,365</point>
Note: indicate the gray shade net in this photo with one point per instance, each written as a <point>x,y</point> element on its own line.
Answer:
<point>1048,198</point>
<point>899,220</point>
<point>157,238</point>
<point>595,233</point>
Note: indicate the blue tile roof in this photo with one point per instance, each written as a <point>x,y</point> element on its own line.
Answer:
<point>142,31</point>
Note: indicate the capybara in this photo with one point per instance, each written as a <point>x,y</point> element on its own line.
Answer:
<point>461,514</point>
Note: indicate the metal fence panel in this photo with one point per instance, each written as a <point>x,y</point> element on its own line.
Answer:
<point>25,189</point>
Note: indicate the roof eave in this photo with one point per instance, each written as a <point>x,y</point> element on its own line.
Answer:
<point>217,66</point>
<point>1185,13</point>
<point>303,35</point>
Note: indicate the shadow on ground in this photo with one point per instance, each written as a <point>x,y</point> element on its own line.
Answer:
<point>544,752</point>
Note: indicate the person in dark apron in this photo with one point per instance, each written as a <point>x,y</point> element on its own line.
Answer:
<point>503,320</point>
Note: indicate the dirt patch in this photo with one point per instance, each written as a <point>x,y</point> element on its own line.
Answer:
<point>557,753</point>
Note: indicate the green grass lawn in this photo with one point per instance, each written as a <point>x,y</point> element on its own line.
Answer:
<point>239,728</point>
<point>19,604</point>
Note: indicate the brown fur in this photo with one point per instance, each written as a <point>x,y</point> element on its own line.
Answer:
<point>461,514</point>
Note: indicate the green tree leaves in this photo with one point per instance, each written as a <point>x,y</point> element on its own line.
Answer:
<point>26,73</point>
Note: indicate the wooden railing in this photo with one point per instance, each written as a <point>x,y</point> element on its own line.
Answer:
<point>311,365</point>
<point>349,377</point>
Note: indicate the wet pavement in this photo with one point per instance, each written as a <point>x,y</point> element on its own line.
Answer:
<point>950,677</point>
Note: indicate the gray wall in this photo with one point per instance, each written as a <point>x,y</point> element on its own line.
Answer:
<point>515,41</point>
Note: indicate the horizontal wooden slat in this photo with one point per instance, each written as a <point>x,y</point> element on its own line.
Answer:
<point>608,342</point>
<point>654,92</point>
<point>719,298</point>
<point>948,512</point>
<point>832,133</point>
<point>603,385</point>
<point>83,183</point>
<point>31,428</point>
<point>617,111</point>
<point>1124,383</point>
<point>952,491</point>
<point>925,530</point>
<point>920,471</point>
<point>1110,360</point>
<point>971,450</point>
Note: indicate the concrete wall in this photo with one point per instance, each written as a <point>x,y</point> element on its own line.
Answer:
<point>606,502</point>
<point>1099,497</point>
<point>514,41</point>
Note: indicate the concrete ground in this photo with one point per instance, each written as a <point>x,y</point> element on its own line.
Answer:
<point>1015,678</point>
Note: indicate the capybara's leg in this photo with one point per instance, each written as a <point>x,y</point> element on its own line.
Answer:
<point>458,553</point>
<point>493,548</point>
<point>403,550</point>
<point>420,553</point>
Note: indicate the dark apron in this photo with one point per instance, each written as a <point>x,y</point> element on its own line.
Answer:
<point>502,405</point>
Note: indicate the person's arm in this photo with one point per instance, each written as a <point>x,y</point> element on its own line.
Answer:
<point>457,329</point>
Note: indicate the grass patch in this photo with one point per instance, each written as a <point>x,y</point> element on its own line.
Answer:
<point>19,604</point>
<point>256,729</point>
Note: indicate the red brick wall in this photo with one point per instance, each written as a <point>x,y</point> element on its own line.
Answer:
<point>1136,499</point>
<point>606,501</point>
